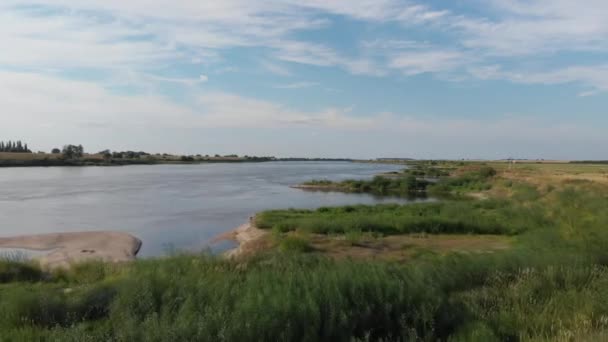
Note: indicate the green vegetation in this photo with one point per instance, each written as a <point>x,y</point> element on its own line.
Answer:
<point>552,285</point>
<point>477,179</point>
<point>451,217</point>
<point>14,147</point>
<point>416,180</point>
<point>74,155</point>
<point>429,169</point>
<point>379,185</point>
<point>72,151</point>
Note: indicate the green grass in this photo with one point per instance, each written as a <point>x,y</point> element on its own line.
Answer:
<point>379,185</point>
<point>301,297</point>
<point>296,244</point>
<point>449,217</point>
<point>429,169</point>
<point>413,181</point>
<point>479,179</point>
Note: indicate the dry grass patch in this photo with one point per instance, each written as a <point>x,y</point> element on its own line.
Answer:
<point>28,156</point>
<point>404,247</point>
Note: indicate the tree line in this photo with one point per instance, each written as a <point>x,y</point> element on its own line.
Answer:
<point>15,147</point>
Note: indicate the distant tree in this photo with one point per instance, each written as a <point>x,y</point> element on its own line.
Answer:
<point>106,154</point>
<point>72,151</point>
<point>56,151</point>
<point>14,147</point>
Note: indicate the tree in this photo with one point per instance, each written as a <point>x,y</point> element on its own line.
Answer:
<point>72,151</point>
<point>107,154</point>
<point>14,147</point>
<point>56,151</point>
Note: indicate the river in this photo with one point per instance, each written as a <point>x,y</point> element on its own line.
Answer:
<point>169,207</point>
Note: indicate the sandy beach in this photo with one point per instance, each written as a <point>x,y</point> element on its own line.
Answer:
<point>66,249</point>
<point>247,235</point>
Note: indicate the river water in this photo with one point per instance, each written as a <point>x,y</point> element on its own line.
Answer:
<point>169,207</point>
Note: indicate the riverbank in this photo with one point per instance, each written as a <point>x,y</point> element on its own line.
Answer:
<point>56,159</point>
<point>248,237</point>
<point>67,249</point>
<point>12,159</point>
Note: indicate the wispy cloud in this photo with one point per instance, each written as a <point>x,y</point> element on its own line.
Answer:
<point>59,108</point>
<point>296,85</point>
<point>112,33</point>
<point>275,68</point>
<point>595,77</point>
<point>417,62</point>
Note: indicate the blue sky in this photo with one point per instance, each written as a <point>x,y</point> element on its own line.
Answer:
<point>366,78</point>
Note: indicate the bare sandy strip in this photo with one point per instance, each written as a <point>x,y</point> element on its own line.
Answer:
<point>66,249</point>
<point>246,235</point>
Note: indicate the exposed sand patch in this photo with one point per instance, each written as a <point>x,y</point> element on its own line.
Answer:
<point>66,249</point>
<point>248,236</point>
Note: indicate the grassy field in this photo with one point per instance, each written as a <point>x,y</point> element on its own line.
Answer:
<point>527,263</point>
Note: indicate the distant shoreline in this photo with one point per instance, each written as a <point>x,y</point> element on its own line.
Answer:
<point>57,160</point>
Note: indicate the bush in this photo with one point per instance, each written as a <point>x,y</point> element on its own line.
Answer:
<point>13,271</point>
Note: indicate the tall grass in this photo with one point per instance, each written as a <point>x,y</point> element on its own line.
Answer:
<point>301,297</point>
<point>478,217</point>
<point>379,185</point>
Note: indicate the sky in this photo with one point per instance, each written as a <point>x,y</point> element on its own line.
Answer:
<point>314,78</point>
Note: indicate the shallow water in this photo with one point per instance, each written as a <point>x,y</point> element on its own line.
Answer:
<point>167,206</point>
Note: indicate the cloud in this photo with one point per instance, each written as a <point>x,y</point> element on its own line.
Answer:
<point>592,76</point>
<point>296,85</point>
<point>69,41</point>
<point>417,62</point>
<point>229,110</point>
<point>320,55</point>
<point>175,80</point>
<point>537,26</point>
<point>137,34</point>
<point>52,111</point>
<point>46,101</point>
<point>275,68</point>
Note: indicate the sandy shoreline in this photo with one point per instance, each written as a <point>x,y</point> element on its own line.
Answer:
<point>246,235</point>
<point>66,249</point>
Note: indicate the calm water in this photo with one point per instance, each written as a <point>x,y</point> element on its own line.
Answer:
<point>166,206</point>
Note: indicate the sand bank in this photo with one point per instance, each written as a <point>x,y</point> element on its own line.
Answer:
<point>66,249</point>
<point>248,236</point>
